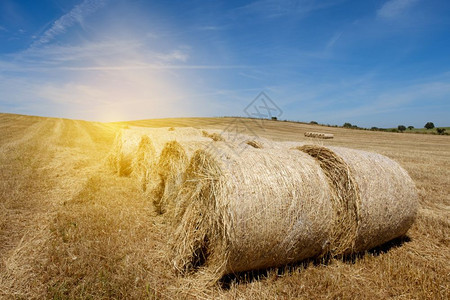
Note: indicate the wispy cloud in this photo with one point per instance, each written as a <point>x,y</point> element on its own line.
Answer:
<point>3,28</point>
<point>154,67</point>
<point>118,79</point>
<point>394,8</point>
<point>278,8</point>
<point>120,54</point>
<point>333,40</point>
<point>211,28</point>
<point>176,55</point>
<point>75,16</point>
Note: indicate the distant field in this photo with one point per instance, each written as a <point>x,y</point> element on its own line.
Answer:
<point>69,228</point>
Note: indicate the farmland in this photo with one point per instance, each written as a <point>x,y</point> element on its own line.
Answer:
<point>69,228</point>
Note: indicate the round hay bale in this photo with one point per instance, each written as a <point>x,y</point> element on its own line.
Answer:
<point>319,135</point>
<point>124,148</point>
<point>257,210</point>
<point>144,162</point>
<point>127,141</point>
<point>170,168</point>
<point>387,196</point>
<point>344,198</point>
<point>286,145</point>
<point>113,154</point>
<point>169,172</point>
<point>160,136</point>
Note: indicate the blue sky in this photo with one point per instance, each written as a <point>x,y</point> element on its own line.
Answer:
<point>372,63</point>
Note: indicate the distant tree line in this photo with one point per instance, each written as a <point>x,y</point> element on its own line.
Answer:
<point>400,128</point>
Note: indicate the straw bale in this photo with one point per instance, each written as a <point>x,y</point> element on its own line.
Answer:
<point>344,198</point>
<point>250,211</point>
<point>127,141</point>
<point>389,199</point>
<point>124,148</point>
<point>319,135</point>
<point>144,161</point>
<point>169,172</point>
<point>387,196</point>
<point>115,150</point>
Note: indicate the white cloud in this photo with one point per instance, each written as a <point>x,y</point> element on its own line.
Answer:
<point>76,15</point>
<point>119,54</point>
<point>394,8</point>
<point>176,55</point>
<point>211,28</point>
<point>277,8</point>
<point>3,28</point>
<point>104,80</point>
<point>333,40</point>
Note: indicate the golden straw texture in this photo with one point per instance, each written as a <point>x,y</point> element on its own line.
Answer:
<point>389,199</point>
<point>378,190</point>
<point>251,211</point>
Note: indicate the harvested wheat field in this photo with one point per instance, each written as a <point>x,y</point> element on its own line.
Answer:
<point>73,225</point>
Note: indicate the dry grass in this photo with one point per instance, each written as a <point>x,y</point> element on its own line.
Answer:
<point>71,229</point>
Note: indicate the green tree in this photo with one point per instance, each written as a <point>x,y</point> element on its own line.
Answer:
<point>410,127</point>
<point>440,130</point>
<point>401,128</point>
<point>429,125</point>
<point>347,125</point>
<point>313,122</point>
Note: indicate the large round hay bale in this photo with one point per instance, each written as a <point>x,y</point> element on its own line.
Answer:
<point>170,169</point>
<point>286,145</point>
<point>122,154</point>
<point>168,175</point>
<point>126,145</point>
<point>144,162</point>
<point>250,211</point>
<point>344,198</point>
<point>115,150</point>
<point>383,195</point>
